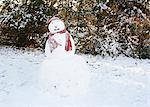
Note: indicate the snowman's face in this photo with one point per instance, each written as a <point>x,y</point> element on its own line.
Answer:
<point>56,26</point>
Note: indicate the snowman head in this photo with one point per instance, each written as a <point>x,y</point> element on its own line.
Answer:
<point>55,25</point>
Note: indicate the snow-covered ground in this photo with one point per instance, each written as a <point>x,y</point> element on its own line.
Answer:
<point>120,82</point>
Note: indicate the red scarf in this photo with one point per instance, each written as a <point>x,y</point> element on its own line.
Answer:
<point>68,46</point>
<point>54,44</point>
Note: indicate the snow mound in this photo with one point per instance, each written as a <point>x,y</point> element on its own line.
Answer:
<point>65,76</point>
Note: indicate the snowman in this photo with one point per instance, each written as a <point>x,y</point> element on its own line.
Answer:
<point>59,39</point>
<point>62,72</point>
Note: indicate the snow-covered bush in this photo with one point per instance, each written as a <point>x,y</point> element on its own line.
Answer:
<point>28,22</point>
<point>105,27</point>
<point>107,43</point>
<point>121,28</point>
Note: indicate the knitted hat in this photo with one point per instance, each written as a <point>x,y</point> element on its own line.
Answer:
<point>53,18</point>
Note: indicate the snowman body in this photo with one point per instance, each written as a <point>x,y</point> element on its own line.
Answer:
<point>62,72</point>
<point>61,39</point>
<point>64,76</point>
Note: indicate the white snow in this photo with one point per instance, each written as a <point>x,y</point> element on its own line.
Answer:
<point>119,82</point>
<point>65,75</point>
